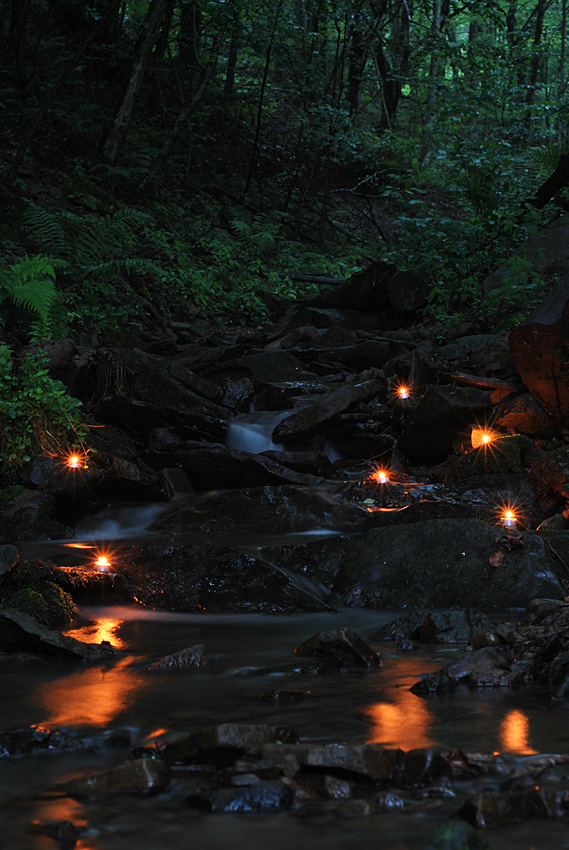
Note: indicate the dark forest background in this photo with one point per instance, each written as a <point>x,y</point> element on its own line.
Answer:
<point>164,157</point>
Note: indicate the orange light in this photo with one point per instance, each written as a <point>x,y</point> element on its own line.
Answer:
<point>482,437</point>
<point>380,476</point>
<point>509,518</point>
<point>76,460</point>
<point>403,391</point>
<point>102,562</point>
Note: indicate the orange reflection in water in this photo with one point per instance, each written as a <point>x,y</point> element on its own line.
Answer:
<point>514,733</point>
<point>405,722</point>
<point>92,697</point>
<point>105,628</point>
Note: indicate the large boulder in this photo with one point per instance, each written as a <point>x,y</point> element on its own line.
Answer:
<point>309,420</point>
<point>432,563</point>
<point>206,577</point>
<point>271,510</point>
<point>540,350</point>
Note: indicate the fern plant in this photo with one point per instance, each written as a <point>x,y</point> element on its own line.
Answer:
<point>35,410</point>
<point>30,285</point>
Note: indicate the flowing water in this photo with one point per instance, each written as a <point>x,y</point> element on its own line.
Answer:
<point>121,703</point>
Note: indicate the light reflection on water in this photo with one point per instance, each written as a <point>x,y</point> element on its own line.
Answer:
<point>93,697</point>
<point>404,722</point>
<point>515,733</point>
<point>98,630</point>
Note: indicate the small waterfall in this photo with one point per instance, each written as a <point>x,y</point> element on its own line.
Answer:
<point>116,523</point>
<point>252,432</point>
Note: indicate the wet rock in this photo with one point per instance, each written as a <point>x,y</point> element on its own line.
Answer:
<point>456,836</point>
<point>138,418</point>
<point>389,801</point>
<point>461,348</point>
<point>373,763</point>
<point>260,797</point>
<point>223,743</point>
<point>136,776</point>
<point>58,353</point>
<point>343,646</point>
<point>8,557</point>
<point>214,467</point>
<point>308,420</point>
<point>538,609</point>
<point>524,415</point>
<point>143,377</point>
<point>192,657</point>
<point>27,516</point>
<point>352,809</point>
<point>540,351</point>
<point>336,788</point>
<point>27,742</point>
<point>265,367</point>
<point>442,413</point>
<point>432,563</point>
<point>174,483</point>
<point>205,577</point>
<point>546,252</point>
<point>20,632</point>
<point>274,509</point>
<point>163,440</point>
<point>441,789</point>
<point>420,767</point>
<point>64,833</point>
<point>283,695</point>
<point>451,625</point>
<point>124,478</point>
<point>549,475</point>
<point>363,355</point>
<point>487,809</point>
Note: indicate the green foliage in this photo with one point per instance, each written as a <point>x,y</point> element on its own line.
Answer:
<point>34,587</point>
<point>35,410</point>
<point>30,286</point>
<point>48,603</point>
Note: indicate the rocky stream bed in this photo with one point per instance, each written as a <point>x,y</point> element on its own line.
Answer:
<point>283,472</point>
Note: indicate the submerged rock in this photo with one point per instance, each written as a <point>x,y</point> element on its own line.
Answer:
<point>192,657</point>
<point>261,796</point>
<point>226,741</point>
<point>457,836</point>
<point>343,646</point>
<point>20,632</point>
<point>448,625</point>
<point>30,741</point>
<point>136,776</point>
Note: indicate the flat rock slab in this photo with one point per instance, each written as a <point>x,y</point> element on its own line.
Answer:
<point>20,632</point>
<point>308,420</point>
<point>436,563</point>
<point>274,510</point>
<point>213,579</point>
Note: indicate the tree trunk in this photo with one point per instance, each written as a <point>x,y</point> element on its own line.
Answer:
<point>66,73</point>
<point>143,50</point>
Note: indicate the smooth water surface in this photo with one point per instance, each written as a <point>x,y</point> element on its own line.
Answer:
<point>122,702</point>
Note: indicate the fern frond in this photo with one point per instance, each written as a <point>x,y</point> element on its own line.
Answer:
<point>31,284</point>
<point>45,229</point>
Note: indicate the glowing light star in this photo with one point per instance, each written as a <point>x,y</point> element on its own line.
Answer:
<point>403,391</point>
<point>482,437</point>
<point>76,460</point>
<point>509,518</point>
<point>102,562</point>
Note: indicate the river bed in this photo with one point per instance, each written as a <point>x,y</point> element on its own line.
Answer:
<point>122,703</point>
